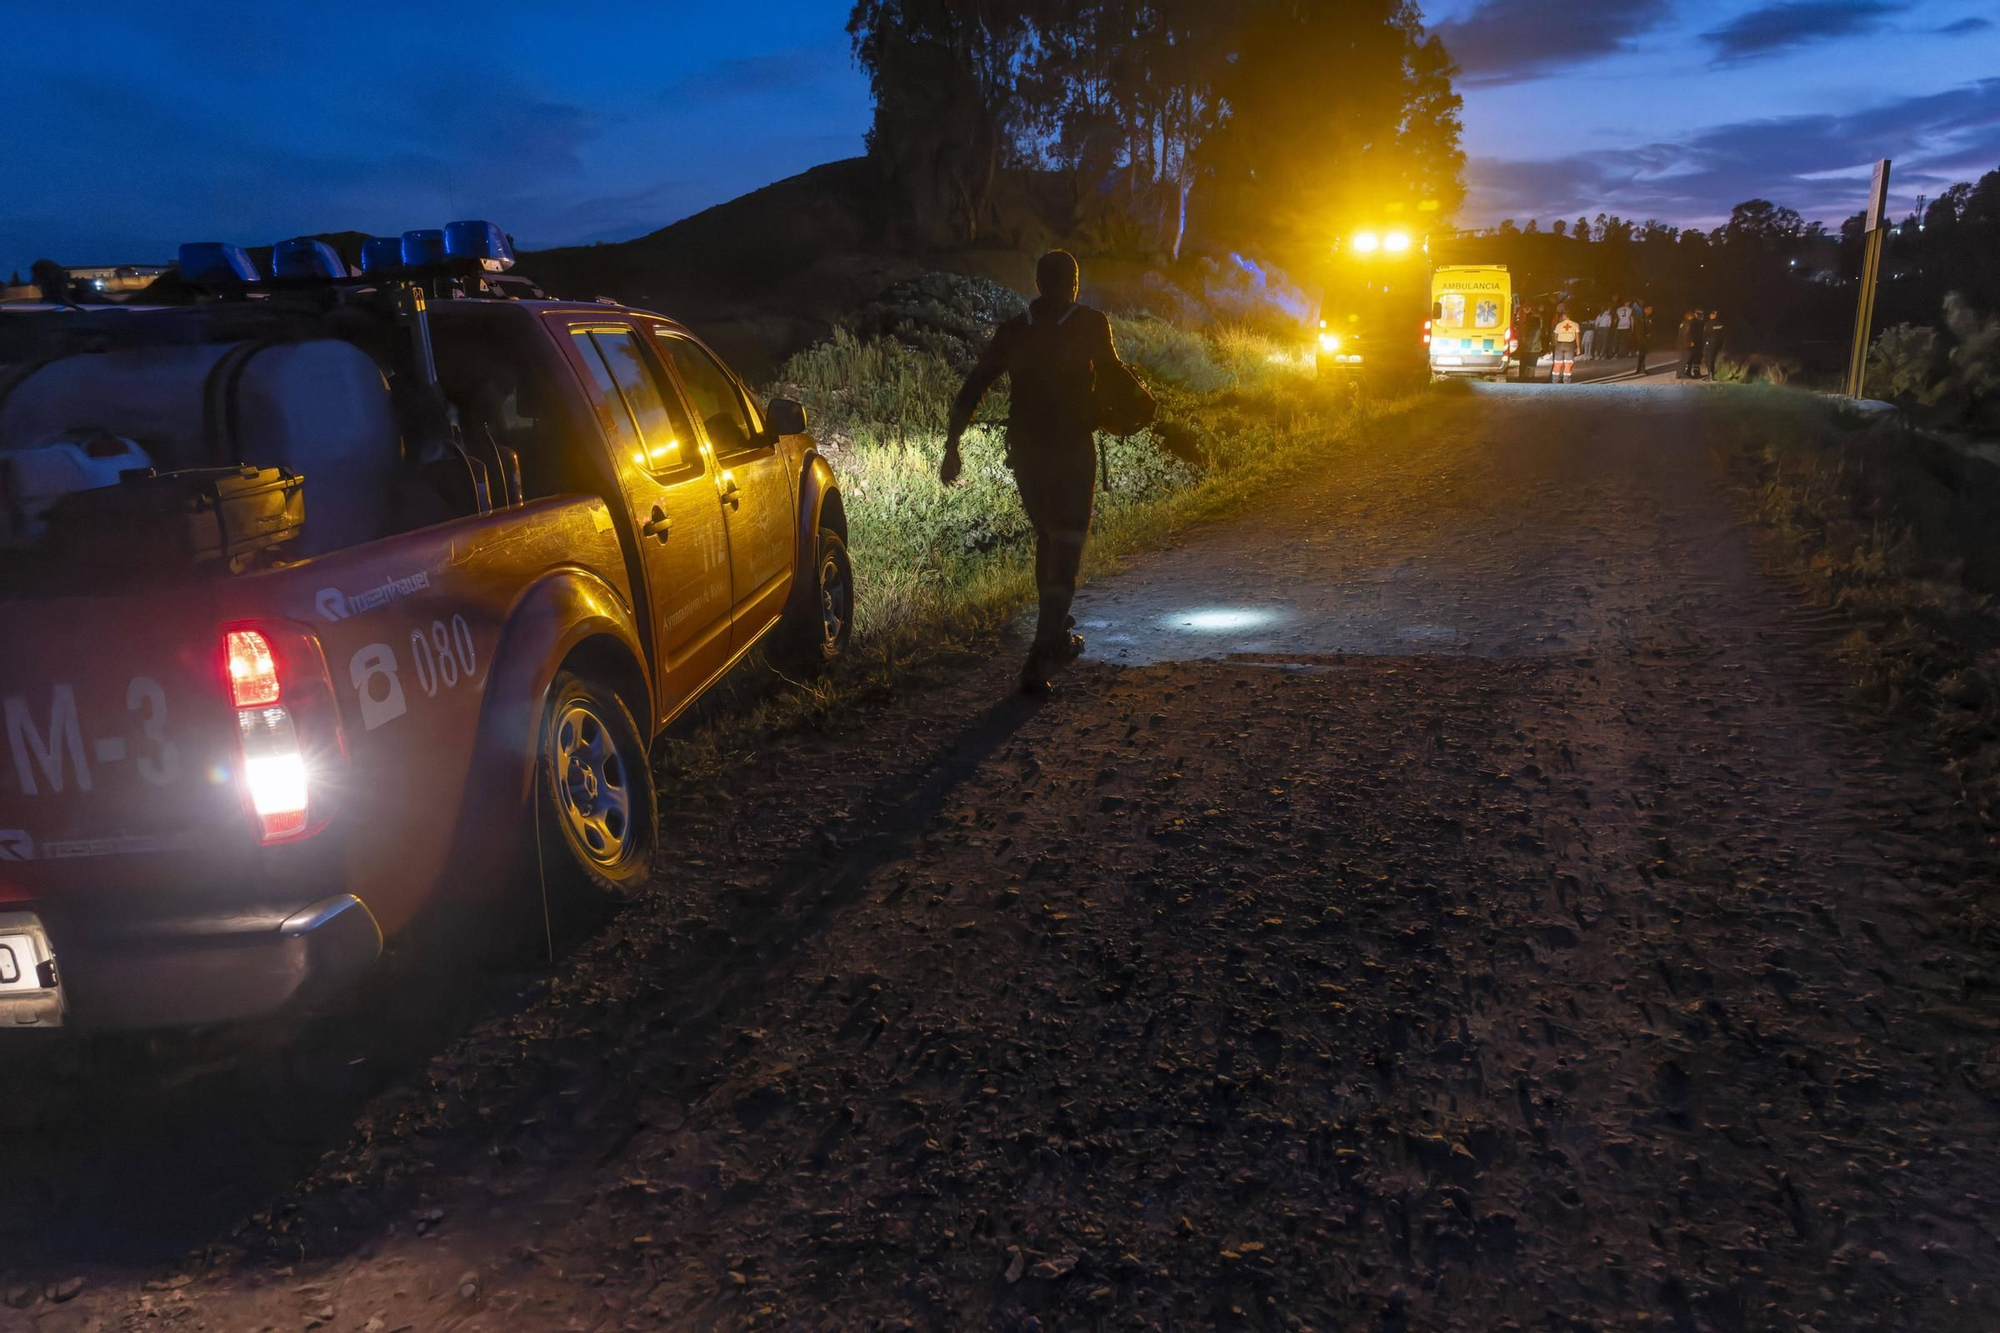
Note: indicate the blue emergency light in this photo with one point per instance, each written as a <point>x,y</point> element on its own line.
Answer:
<point>380,252</point>
<point>424,246</point>
<point>304,257</point>
<point>479,240</point>
<point>214,262</point>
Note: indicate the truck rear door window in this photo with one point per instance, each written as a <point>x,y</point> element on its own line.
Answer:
<point>650,424</point>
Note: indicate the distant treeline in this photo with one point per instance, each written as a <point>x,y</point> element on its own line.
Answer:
<point>1787,286</point>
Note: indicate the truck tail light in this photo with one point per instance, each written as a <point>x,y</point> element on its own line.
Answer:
<point>253,672</point>
<point>287,728</point>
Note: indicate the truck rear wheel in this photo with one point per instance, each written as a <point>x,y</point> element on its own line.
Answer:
<point>599,817</point>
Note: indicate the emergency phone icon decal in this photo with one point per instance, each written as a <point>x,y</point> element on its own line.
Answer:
<point>373,671</point>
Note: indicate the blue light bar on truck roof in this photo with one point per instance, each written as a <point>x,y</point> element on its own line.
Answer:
<point>424,246</point>
<point>304,257</point>
<point>215,262</point>
<point>479,240</point>
<point>380,252</point>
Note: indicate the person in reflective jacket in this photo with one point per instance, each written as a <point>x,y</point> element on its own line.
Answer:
<point>1053,355</point>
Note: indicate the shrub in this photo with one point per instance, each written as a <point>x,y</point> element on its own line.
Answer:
<point>1168,353</point>
<point>947,313</point>
<point>1975,362</point>
<point>1904,365</point>
<point>1753,367</point>
<point>878,390</point>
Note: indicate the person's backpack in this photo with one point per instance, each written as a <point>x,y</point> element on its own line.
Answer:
<point>1123,405</point>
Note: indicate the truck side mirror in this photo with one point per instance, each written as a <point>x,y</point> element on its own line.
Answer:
<point>785,416</point>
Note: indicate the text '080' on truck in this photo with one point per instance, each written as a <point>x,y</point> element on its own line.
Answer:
<point>335,600</point>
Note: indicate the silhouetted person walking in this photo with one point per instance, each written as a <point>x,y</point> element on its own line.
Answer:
<point>1056,354</point>
<point>1711,341</point>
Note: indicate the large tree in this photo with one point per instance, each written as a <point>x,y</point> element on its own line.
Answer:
<point>944,74</point>
<point>1277,122</point>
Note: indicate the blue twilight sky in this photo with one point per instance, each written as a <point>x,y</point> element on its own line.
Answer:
<point>126,127</point>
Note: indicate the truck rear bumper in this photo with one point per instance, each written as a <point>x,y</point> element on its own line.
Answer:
<point>214,970</point>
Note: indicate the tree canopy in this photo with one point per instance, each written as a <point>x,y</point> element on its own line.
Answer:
<point>1263,124</point>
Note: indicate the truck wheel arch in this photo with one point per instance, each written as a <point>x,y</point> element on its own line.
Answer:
<point>820,506</point>
<point>568,618</point>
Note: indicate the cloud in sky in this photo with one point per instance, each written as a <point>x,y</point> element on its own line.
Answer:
<point>1507,41</point>
<point>1817,164</point>
<point>1964,27</point>
<point>561,130</point>
<point>1770,29</point>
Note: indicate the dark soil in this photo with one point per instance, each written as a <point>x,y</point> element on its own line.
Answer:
<point>1516,924</point>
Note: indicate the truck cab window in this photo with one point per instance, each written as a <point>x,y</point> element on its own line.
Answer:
<point>724,414</point>
<point>500,397</point>
<point>666,436</point>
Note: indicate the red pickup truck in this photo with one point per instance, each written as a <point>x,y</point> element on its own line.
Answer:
<point>532,532</point>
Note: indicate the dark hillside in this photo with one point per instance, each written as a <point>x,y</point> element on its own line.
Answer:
<point>765,274</point>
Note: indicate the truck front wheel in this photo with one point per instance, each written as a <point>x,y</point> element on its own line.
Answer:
<point>817,632</point>
<point>599,815</point>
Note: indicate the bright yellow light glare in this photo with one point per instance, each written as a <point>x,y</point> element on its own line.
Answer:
<point>1366,242</point>
<point>1396,242</point>
<point>1329,342</point>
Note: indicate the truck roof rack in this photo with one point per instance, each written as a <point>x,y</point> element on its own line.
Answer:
<point>467,259</point>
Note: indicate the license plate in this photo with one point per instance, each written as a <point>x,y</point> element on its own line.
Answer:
<point>1451,360</point>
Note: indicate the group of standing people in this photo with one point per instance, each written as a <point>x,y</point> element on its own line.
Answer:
<point>1700,343</point>
<point>1621,329</point>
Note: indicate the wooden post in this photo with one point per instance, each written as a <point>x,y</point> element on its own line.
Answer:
<point>1871,268</point>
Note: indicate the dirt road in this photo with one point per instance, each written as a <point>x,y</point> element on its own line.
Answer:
<point>1463,896</point>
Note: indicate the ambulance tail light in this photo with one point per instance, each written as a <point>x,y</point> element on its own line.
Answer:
<point>1427,333</point>
<point>1513,343</point>
<point>290,749</point>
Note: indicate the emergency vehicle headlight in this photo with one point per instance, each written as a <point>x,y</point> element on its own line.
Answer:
<point>479,240</point>
<point>212,261</point>
<point>1366,243</point>
<point>304,257</point>
<point>1396,242</point>
<point>423,246</point>
<point>380,252</point>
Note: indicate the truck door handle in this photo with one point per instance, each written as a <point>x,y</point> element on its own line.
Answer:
<point>731,495</point>
<point>658,526</point>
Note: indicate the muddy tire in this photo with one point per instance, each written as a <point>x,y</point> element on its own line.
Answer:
<point>597,812</point>
<point>817,636</point>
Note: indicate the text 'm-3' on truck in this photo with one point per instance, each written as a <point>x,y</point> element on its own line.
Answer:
<point>332,600</point>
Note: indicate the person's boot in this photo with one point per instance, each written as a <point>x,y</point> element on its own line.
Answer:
<point>1036,673</point>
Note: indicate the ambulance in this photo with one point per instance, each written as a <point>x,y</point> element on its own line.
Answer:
<point>1470,330</point>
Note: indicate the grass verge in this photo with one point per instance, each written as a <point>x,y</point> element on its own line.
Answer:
<point>1892,528</point>
<point>941,571</point>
